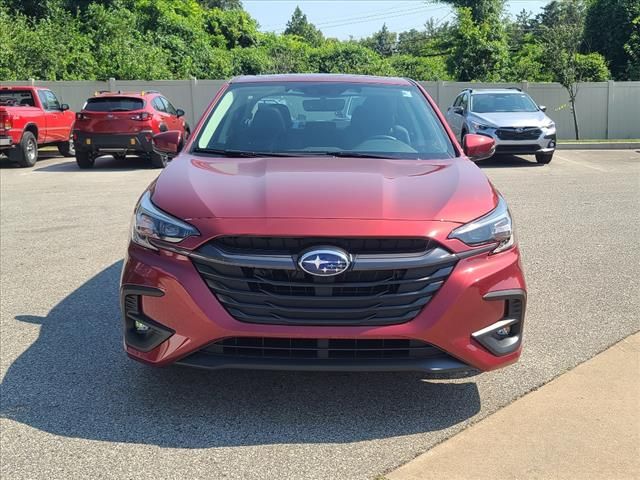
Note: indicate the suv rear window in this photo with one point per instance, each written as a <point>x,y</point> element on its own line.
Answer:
<point>113,104</point>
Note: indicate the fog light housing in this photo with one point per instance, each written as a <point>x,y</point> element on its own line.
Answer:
<point>504,336</point>
<point>140,331</point>
<point>552,144</point>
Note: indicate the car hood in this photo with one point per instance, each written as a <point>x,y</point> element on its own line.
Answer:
<point>453,190</point>
<point>513,119</point>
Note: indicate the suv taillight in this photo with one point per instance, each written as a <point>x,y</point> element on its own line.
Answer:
<point>141,116</point>
<point>5,123</point>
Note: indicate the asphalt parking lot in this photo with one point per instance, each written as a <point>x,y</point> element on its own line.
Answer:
<point>73,405</point>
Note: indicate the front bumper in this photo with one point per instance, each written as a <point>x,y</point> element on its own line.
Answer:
<point>97,143</point>
<point>188,319</point>
<point>543,143</point>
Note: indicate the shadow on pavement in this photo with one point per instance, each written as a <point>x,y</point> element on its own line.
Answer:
<point>104,163</point>
<point>509,161</point>
<point>76,381</point>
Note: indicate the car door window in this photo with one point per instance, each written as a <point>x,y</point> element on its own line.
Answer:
<point>158,105</point>
<point>51,101</point>
<point>168,107</point>
<point>464,102</point>
<point>457,101</point>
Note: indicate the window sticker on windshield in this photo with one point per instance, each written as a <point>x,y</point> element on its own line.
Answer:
<point>406,93</point>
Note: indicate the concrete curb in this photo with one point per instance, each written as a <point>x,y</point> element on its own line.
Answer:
<point>598,146</point>
<point>583,424</point>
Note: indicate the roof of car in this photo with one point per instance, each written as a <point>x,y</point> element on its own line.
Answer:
<point>495,90</point>
<point>104,93</point>
<point>321,77</point>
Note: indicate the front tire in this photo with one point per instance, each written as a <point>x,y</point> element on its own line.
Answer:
<point>26,152</point>
<point>67,149</point>
<point>544,158</point>
<point>85,159</point>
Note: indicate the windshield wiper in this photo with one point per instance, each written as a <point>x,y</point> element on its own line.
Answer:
<point>240,153</point>
<point>347,153</point>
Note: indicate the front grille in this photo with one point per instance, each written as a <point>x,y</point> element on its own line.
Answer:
<point>301,348</point>
<point>293,245</point>
<point>382,296</point>
<point>526,133</point>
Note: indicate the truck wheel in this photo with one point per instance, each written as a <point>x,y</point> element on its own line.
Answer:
<point>85,159</point>
<point>158,160</point>
<point>67,149</point>
<point>544,158</point>
<point>26,152</point>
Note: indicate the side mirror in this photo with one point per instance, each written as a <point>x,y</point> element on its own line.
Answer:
<point>167,143</point>
<point>179,112</point>
<point>64,107</point>
<point>458,110</point>
<point>542,108</point>
<point>478,147</point>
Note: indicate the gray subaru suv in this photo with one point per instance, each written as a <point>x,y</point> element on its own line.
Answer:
<point>509,116</point>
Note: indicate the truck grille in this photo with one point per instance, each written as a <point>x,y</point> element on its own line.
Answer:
<point>289,296</point>
<point>370,349</point>
<point>526,133</point>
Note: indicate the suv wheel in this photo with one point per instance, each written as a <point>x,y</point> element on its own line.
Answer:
<point>26,152</point>
<point>67,149</point>
<point>158,160</point>
<point>85,159</point>
<point>544,158</point>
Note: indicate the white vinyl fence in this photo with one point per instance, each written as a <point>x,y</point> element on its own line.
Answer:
<point>606,110</point>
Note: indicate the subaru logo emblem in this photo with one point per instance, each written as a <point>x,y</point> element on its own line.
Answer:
<point>324,262</point>
<point>519,130</point>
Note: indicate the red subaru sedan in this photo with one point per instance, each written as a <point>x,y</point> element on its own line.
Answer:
<point>323,222</point>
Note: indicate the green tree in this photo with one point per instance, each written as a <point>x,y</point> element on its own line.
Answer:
<point>222,4</point>
<point>562,34</point>
<point>632,47</point>
<point>383,42</point>
<point>341,57</point>
<point>114,33</point>
<point>420,68</point>
<point>608,28</point>
<point>299,25</point>
<point>480,51</point>
<point>481,10</point>
<point>412,42</point>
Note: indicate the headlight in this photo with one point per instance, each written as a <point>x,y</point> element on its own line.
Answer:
<point>549,125</point>
<point>149,222</point>
<point>494,227</point>
<point>480,126</point>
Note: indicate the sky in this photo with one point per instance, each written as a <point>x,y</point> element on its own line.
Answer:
<point>360,18</point>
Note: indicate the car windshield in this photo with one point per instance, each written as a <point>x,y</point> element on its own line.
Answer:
<point>502,102</point>
<point>16,98</point>
<point>113,104</point>
<point>336,119</point>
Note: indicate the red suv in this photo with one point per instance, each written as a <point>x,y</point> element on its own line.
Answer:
<point>123,123</point>
<point>323,222</point>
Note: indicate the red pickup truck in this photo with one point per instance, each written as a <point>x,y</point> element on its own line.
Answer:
<point>31,117</point>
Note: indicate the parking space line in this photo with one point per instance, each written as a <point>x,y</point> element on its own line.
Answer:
<point>592,167</point>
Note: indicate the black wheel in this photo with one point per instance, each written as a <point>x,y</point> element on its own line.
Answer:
<point>26,152</point>
<point>120,156</point>
<point>67,149</point>
<point>544,158</point>
<point>85,159</point>
<point>159,160</point>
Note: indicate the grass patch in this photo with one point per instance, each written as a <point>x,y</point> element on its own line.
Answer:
<point>613,140</point>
